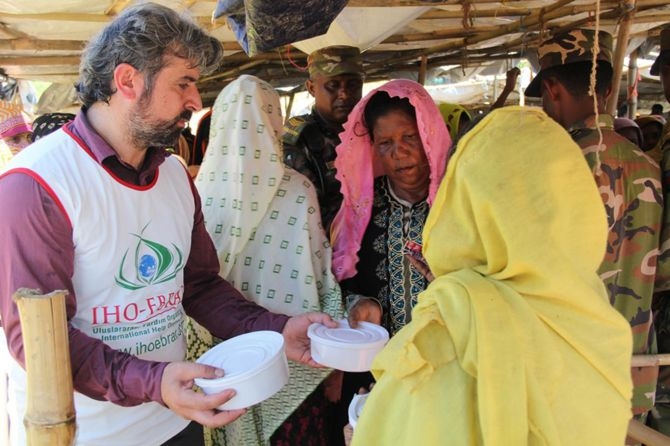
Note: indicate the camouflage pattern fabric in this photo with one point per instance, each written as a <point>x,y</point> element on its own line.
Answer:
<point>567,48</point>
<point>629,183</point>
<point>663,270</point>
<point>309,148</point>
<point>660,419</point>
<point>574,46</point>
<point>264,25</point>
<point>334,61</point>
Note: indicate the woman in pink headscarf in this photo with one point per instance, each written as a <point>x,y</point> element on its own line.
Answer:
<point>390,162</point>
<point>14,130</point>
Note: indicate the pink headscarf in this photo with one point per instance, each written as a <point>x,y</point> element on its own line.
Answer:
<point>13,120</point>
<point>357,166</point>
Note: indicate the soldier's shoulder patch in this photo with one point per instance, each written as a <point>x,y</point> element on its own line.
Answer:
<point>294,127</point>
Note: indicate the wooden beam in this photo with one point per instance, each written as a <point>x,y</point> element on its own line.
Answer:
<point>655,18</point>
<point>392,3</point>
<point>289,106</point>
<point>619,54</point>
<point>422,70</point>
<point>631,84</point>
<point>117,7</point>
<point>646,435</point>
<point>56,78</point>
<point>12,32</point>
<point>56,16</point>
<point>498,10</point>
<point>437,35</point>
<point>232,72</point>
<point>526,23</point>
<point>31,44</point>
<point>274,56</point>
<point>502,11</point>
<point>464,55</point>
<point>39,60</point>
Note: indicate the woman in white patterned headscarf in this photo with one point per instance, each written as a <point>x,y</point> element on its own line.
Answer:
<point>265,223</point>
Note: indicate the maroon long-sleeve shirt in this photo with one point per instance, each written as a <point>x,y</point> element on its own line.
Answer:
<point>36,251</point>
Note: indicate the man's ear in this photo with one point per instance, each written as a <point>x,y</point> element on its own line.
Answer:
<point>607,94</point>
<point>552,88</point>
<point>309,86</point>
<point>128,81</point>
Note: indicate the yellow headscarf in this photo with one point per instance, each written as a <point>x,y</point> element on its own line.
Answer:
<point>514,342</point>
<point>452,115</point>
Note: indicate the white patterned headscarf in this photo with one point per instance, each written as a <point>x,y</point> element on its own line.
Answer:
<point>265,223</point>
<point>244,140</point>
<point>263,217</point>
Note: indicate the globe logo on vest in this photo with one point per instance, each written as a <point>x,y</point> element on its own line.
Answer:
<point>148,263</point>
<point>147,266</point>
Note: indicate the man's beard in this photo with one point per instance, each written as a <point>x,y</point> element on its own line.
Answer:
<point>145,132</point>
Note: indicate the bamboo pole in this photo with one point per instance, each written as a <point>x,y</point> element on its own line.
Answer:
<point>650,360</point>
<point>233,72</point>
<point>50,414</point>
<point>289,106</point>
<point>619,54</point>
<point>422,70</point>
<point>516,44</point>
<point>631,83</point>
<point>646,435</point>
<point>546,13</point>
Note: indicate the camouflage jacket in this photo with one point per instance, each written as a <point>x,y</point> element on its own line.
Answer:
<point>309,148</point>
<point>663,270</point>
<point>662,290</point>
<point>629,183</point>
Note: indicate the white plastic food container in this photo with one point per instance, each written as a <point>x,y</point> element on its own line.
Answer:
<point>254,364</point>
<point>346,348</point>
<point>355,408</point>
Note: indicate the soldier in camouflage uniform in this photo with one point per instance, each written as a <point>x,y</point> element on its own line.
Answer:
<point>336,83</point>
<point>660,418</point>
<point>629,183</point>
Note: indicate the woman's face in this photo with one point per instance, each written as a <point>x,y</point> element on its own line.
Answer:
<point>398,144</point>
<point>651,134</point>
<point>18,142</point>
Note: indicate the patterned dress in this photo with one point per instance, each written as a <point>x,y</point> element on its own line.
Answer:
<point>629,183</point>
<point>264,221</point>
<point>383,270</point>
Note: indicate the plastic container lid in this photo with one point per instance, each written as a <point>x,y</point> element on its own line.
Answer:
<point>346,348</point>
<point>242,357</point>
<point>364,336</point>
<point>355,408</point>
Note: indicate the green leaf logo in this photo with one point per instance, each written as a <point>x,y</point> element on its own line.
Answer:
<point>153,263</point>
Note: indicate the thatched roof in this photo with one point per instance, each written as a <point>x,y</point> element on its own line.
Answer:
<point>43,39</point>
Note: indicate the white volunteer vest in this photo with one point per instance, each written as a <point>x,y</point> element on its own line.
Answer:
<point>131,244</point>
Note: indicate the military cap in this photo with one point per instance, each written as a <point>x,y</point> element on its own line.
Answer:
<point>335,60</point>
<point>567,48</point>
<point>663,55</point>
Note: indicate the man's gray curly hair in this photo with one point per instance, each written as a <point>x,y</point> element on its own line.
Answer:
<point>142,36</point>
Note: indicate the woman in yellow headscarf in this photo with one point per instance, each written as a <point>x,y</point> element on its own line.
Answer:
<point>456,117</point>
<point>514,342</point>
